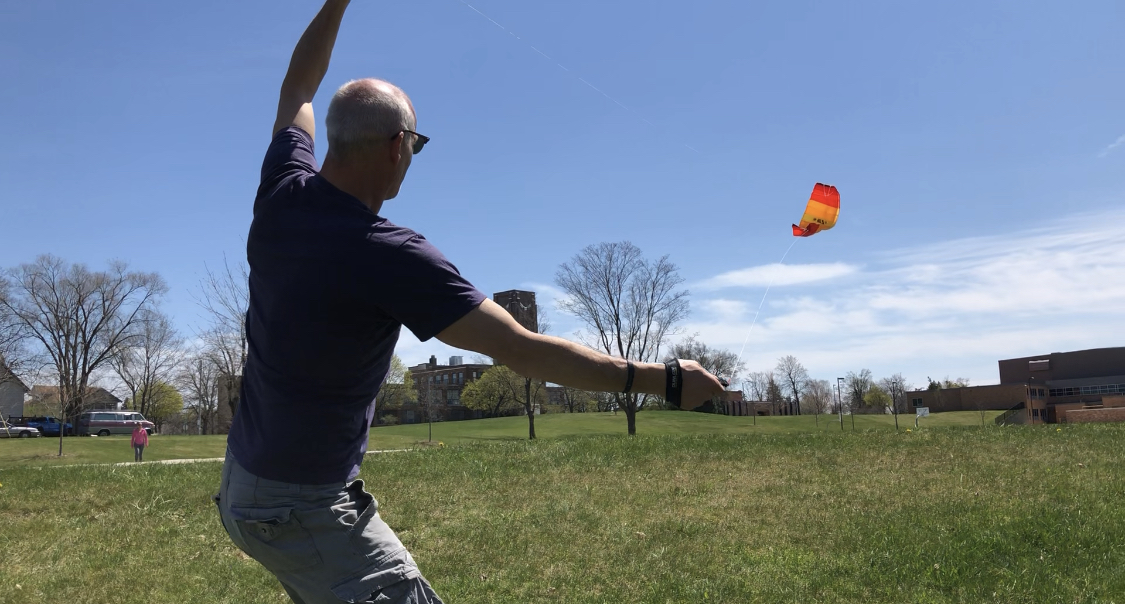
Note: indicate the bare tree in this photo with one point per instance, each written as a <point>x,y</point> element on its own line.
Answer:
<point>224,296</point>
<point>718,361</point>
<point>148,358</point>
<point>630,305</point>
<point>897,387</point>
<point>857,384</point>
<point>575,400</point>
<point>77,318</point>
<point>818,397</point>
<point>792,376</point>
<point>757,385</point>
<point>198,378</point>
<point>430,404</point>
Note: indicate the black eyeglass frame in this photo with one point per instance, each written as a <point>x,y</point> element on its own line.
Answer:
<point>418,142</point>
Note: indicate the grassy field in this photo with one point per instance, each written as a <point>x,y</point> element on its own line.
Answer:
<point>937,515</point>
<point>116,449</point>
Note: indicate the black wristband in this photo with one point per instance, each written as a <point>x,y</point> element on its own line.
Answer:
<point>629,381</point>
<point>674,383</point>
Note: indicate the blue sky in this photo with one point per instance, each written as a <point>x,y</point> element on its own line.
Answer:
<point>977,146</point>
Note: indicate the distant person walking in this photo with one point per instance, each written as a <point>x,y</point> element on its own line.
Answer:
<point>140,441</point>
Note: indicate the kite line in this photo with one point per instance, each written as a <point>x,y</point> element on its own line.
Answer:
<point>755,321</point>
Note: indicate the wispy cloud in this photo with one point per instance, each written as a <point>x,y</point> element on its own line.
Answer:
<point>1115,144</point>
<point>954,308</point>
<point>777,275</point>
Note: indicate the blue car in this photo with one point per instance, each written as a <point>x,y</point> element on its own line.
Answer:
<point>47,426</point>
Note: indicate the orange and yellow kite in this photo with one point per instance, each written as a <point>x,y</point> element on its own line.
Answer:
<point>821,213</point>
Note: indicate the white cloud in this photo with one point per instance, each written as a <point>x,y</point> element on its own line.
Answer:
<point>777,275</point>
<point>948,309</point>
<point>1117,143</point>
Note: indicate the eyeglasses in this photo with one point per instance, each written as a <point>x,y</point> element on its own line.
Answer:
<point>419,142</point>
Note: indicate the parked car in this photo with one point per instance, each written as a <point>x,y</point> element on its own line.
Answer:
<point>47,425</point>
<point>104,423</point>
<point>9,431</point>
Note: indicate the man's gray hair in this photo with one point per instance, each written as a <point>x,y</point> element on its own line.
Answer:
<point>366,111</point>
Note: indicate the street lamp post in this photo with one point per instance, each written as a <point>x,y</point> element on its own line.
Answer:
<point>840,400</point>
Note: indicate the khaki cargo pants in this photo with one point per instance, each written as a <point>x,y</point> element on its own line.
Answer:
<point>326,544</point>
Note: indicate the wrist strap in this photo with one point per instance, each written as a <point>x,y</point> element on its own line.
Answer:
<point>629,381</point>
<point>674,382</point>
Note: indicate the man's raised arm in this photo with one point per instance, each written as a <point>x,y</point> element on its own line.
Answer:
<point>307,69</point>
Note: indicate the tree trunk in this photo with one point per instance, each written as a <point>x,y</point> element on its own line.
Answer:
<point>530,411</point>
<point>631,417</point>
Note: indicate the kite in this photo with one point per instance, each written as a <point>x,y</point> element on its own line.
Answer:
<point>821,213</point>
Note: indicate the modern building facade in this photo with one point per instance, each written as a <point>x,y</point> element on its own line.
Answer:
<point>1083,385</point>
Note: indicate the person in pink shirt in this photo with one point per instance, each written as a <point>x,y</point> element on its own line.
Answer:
<point>140,441</point>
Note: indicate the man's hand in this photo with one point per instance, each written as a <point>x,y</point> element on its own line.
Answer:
<point>307,68</point>
<point>699,385</point>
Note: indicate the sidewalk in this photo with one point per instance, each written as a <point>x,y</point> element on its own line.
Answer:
<point>171,461</point>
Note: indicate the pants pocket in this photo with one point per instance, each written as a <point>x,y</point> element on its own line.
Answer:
<point>275,537</point>
<point>393,581</point>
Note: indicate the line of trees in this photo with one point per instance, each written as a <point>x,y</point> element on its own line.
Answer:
<point>80,330</point>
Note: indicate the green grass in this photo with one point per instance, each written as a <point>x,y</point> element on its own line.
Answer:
<point>116,449</point>
<point>958,514</point>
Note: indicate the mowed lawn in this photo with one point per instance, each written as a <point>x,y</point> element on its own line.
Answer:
<point>942,514</point>
<point>116,449</point>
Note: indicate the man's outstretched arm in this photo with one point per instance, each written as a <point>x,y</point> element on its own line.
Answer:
<point>307,69</point>
<point>490,330</point>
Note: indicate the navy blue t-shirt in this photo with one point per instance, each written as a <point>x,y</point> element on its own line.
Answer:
<point>331,284</point>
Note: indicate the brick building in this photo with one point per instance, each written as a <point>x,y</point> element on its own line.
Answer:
<point>1079,386</point>
<point>444,384</point>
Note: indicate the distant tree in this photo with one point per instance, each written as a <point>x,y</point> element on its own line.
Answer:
<point>629,304</point>
<point>75,319</point>
<point>718,361</point>
<point>575,400</point>
<point>877,399</point>
<point>164,402</point>
<point>792,376</point>
<point>198,380</point>
<point>430,404</point>
<point>149,358</point>
<point>494,393</point>
<point>818,397</point>
<point>397,387</point>
<point>897,386</point>
<point>757,384</point>
<point>857,386</point>
<point>774,395</point>
<point>224,296</point>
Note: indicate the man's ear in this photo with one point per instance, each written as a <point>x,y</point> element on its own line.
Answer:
<point>396,148</point>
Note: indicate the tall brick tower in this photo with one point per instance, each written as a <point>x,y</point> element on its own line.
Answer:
<point>521,305</point>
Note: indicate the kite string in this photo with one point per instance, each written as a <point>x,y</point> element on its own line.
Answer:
<point>760,304</point>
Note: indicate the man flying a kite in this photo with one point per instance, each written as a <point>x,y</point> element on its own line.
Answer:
<point>331,284</point>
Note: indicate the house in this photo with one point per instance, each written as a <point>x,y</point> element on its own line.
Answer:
<point>95,398</point>
<point>12,392</point>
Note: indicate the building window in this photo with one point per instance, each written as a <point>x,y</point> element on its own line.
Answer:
<point>460,377</point>
<point>915,402</point>
<point>1034,413</point>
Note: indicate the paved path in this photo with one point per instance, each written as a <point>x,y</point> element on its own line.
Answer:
<point>173,461</point>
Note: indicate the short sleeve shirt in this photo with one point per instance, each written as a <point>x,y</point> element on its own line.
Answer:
<point>331,285</point>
